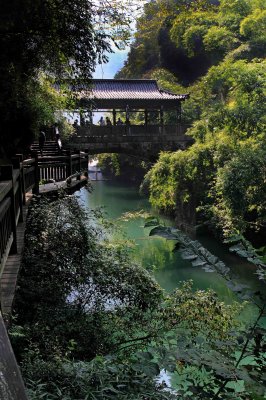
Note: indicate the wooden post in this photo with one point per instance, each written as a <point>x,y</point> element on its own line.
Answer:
<point>78,177</point>
<point>81,119</point>
<point>146,117</point>
<point>161,119</point>
<point>90,116</point>
<point>22,179</point>
<point>36,189</point>
<point>86,173</point>
<point>69,162</point>
<point>178,118</point>
<point>7,175</point>
<point>114,117</point>
<point>178,113</point>
<point>16,165</point>
<point>127,115</point>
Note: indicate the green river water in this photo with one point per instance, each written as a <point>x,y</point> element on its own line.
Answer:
<point>157,253</point>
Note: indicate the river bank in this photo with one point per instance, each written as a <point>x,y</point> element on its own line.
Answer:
<point>157,253</point>
<point>60,340</point>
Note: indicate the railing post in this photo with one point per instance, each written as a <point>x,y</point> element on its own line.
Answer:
<point>16,162</point>
<point>69,164</point>
<point>86,173</point>
<point>22,179</point>
<point>79,176</point>
<point>7,175</point>
<point>36,189</point>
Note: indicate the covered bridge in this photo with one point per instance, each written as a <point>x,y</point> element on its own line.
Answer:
<point>138,114</point>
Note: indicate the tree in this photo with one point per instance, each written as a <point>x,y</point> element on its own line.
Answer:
<point>91,322</point>
<point>226,109</point>
<point>64,39</point>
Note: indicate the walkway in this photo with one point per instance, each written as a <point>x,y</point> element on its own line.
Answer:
<point>69,186</point>
<point>11,383</point>
<point>16,182</point>
<point>9,276</point>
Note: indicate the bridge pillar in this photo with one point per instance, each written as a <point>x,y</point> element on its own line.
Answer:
<point>161,119</point>
<point>81,119</point>
<point>146,117</point>
<point>178,113</point>
<point>114,117</point>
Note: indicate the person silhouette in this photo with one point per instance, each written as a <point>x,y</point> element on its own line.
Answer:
<point>101,121</point>
<point>42,139</point>
<point>108,121</point>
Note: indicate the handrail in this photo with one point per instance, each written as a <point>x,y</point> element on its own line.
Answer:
<point>28,161</point>
<point>11,383</point>
<point>127,130</point>
<point>24,175</point>
<point>15,180</point>
<point>5,187</point>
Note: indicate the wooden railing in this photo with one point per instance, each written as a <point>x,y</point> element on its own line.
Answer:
<point>16,180</point>
<point>133,130</point>
<point>11,383</point>
<point>21,177</point>
<point>61,167</point>
<point>10,210</point>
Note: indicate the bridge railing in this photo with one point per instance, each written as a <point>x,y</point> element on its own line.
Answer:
<point>29,173</point>
<point>10,210</point>
<point>15,180</point>
<point>5,230</point>
<point>132,130</point>
<point>11,188</point>
<point>11,383</point>
<point>60,168</point>
<point>21,177</point>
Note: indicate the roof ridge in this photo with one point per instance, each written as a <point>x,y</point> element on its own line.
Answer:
<point>124,80</point>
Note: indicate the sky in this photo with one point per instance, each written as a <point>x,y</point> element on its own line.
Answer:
<point>115,63</point>
<point>105,71</point>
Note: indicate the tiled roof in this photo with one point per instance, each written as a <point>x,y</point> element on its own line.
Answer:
<point>129,89</point>
<point>134,93</point>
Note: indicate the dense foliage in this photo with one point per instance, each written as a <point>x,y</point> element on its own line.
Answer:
<point>217,50</point>
<point>92,324</point>
<point>61,39</point>
<point>123,167</point>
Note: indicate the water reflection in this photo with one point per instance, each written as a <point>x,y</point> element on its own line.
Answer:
<point>157,253</point>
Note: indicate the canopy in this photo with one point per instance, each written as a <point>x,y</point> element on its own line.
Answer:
<point>129,93</point>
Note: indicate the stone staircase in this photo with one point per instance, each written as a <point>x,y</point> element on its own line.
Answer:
<point>50,149</point>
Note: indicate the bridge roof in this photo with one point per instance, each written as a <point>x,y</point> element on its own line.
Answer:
<point>141,93</point>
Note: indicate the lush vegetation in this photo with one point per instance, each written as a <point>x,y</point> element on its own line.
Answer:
<point>215,51</point>
<point>43,42</point>
<point>90,323</point>
<point>123,167</point>
<point>93,325</point>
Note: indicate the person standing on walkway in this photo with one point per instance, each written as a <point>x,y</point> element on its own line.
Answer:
<point>101,121</point>
<point>56,132</point>
<point>108,121</point>
<point>42,139</point>
<point>57,137</point>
